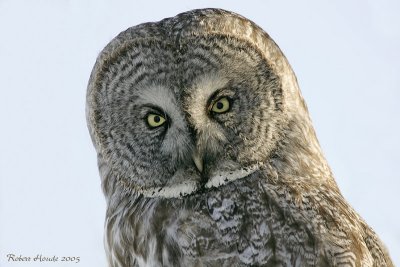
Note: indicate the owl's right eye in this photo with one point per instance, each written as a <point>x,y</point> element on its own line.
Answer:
<point>155,120</point>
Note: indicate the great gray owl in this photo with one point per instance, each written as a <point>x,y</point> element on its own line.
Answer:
<point>208,156</point>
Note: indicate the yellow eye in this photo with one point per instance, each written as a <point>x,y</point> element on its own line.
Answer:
<point>221,106</point>
<point>155,120</point>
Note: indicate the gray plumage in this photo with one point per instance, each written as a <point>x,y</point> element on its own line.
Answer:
<point>208,156</point>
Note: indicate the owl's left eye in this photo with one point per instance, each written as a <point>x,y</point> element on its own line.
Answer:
<point>155,120</point>
<point>222,105</point>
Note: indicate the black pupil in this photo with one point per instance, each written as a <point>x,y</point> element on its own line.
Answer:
<point>220,105</point>
<point>157,119</point>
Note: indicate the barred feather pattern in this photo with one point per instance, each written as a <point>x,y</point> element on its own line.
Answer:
<point>161,211</point>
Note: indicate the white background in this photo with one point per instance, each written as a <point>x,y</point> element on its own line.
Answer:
<point>346,55</point>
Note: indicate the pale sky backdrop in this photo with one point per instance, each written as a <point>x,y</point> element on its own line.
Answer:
<point>346,55</point>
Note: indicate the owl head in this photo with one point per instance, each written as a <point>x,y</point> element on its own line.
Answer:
<point>193,102</point>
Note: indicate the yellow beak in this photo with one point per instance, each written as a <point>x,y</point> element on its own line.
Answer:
<point>198,160</point>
